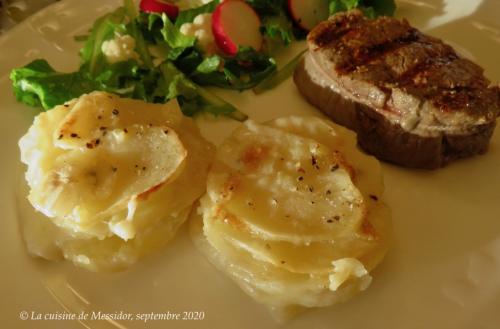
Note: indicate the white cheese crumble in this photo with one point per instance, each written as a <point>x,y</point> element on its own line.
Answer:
<point>201,29</point>
<point>119,49</point>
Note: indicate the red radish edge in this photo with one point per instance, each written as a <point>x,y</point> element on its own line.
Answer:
<point>221,36</point>
<point>156,6</point>
<point>306,13</point>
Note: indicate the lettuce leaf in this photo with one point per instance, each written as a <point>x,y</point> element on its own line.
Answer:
<point>173,36</point>
<point>38,84</point>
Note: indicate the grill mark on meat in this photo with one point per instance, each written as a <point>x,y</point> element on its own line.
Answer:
<point>429,64</point>
<point>407,61</point>
<point>356,40</point>
<point>409,58</point>
<point>356,57</point>
<point>329,31</point>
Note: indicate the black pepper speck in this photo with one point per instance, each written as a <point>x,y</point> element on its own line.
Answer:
<point>334,167</point>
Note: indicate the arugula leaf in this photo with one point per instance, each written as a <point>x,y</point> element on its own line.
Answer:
<point>215,105</point>
<point>342,5</point>
<point>187,16</point>
<point>369,12</point>
<point>177,82</point>
<point>210,64</point>
<point>276,24</point>
<point>278,27</point>
<point>194,99</point>
<point>209,103</point>
<point>279,76</point>
<point>103,29</point>
<point>267,7</point>
<point>135,32</point>
<point>240,72</point>
<point>381,7</point>
<point>130,9</point>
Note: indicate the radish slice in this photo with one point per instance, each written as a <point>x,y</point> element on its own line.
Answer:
<point>234,24</point>
<point>157,6</point>
<point>308,13</point>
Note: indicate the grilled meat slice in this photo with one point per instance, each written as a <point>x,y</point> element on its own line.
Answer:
<point>410,97</point>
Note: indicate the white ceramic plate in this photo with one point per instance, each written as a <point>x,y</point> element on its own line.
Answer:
<point>443,270</point>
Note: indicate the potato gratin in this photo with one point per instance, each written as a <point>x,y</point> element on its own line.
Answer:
<point>115,177</point>
<point>293,213</point>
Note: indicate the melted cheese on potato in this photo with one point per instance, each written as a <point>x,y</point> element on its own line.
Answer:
<point>103,169</point>
<point>292,213</point>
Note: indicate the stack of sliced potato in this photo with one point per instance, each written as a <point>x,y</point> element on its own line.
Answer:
<point>116,176</point>
<point>293,213</point>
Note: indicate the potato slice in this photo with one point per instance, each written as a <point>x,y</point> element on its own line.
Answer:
<point>45,239</point>
<point>95,113</point>
<point>366,169</point>
<point>284,186</point>
<point>279,289</point>
<point>37,147</point>
<point>84,186</point>
<point>114,254</point>
<point>187,187</point>
<point>368,247</point>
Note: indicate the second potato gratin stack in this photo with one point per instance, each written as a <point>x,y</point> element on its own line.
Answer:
<point>292,213</point>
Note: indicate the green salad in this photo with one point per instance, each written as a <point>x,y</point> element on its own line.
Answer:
<point>165,50</point>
